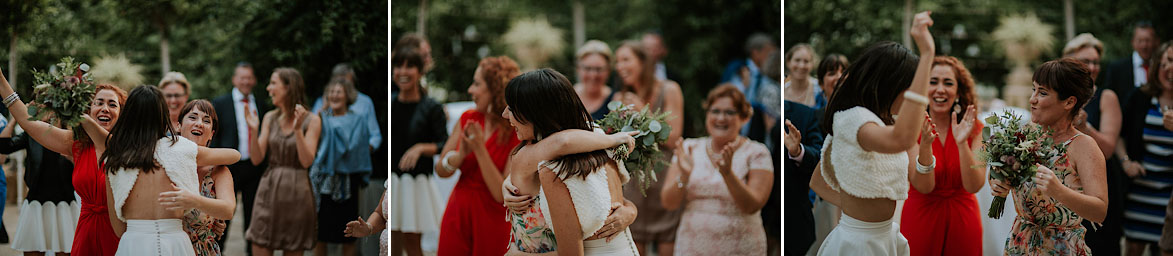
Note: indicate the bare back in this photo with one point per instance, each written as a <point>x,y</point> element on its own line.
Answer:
<point>143,201</point>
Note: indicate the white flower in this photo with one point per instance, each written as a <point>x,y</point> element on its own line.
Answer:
<point>85,67</point>
<point>1024,145</point>
<point>39,86</point>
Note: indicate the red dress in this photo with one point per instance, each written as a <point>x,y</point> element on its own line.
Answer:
<point>474,223</point>
<point>946,221</point>
<point>94,234</point>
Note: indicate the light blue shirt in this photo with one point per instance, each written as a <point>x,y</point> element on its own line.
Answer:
<point>365,108</point>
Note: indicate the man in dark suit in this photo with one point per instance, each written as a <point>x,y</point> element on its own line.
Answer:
<point>1125,75</point>
<point>803,144</point>
<point>234,133</point>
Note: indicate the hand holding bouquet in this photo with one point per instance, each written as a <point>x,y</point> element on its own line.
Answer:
<point>64,94</point>
<point>645,159</point>
<point>1014,151</point>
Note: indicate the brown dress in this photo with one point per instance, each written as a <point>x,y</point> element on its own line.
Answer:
<point>654,223</point>
<point>283,213</point>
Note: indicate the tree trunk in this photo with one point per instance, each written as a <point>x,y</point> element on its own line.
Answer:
<point>164,52</point>
<point>421,22</point>
<point>579,24</point>
<point>13,58</point>
<point>1069,18</point>
<point>907,24</point>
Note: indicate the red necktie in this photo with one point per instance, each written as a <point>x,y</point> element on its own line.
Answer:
<point>247,111</point>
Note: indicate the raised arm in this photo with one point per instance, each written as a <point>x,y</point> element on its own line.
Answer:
<point>574,141</point>
<point>922,154</point>
<point>676,182</point>
<point>10,144</point>
<point>751,194</point>
<point>902,135</point>
<point>216,156</point>
<point>307,143</point>
<point>1110,122</point>
<point>673,103</point>
<point>53,138</point>
<point>451,145</point>
<point>97,134</point>
<point>567,229</point>
<point>260,141</point>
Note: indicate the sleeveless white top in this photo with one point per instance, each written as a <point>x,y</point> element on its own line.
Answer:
<point>591,197</point>
<point>178,161</point>
<point>862,173</point>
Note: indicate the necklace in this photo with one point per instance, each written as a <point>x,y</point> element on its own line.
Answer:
<point>715,157</point>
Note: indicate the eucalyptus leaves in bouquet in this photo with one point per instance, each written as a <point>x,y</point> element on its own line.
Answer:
<point>63,95</point>
<point>646,158</point>
<point>1013,150</point>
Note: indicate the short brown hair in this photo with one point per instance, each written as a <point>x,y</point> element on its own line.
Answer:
<point>744,110</point>
<point>966,93</point>
<point>1069,78</point>
<point>204,106</point>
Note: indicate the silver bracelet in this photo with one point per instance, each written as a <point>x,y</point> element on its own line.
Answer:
<point>11,98</point>
<point>926,169</point>
<point>916,97</point>
<point>444,161</point>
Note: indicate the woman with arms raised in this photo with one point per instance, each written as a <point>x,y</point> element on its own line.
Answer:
<point>93,235</point>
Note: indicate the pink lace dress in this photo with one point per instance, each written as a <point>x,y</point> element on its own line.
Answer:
<point>712,224</point>
<point>1044,226</point>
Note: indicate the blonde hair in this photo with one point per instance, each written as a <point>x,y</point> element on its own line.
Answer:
<point>178,78</point>
<point>594,47</point>
<point>1081,41</point>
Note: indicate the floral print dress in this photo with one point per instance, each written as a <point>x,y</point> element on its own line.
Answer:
<point>528,230</point>
<point>200,227</point>
<point>1044,226</point>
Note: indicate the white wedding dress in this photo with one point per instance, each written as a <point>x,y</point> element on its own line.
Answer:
<point>592,202</point>
<point>163,236</point>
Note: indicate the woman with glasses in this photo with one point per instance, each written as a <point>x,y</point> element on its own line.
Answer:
<point>726,179</point>
<point>594,67</point>
<point>176,90</point>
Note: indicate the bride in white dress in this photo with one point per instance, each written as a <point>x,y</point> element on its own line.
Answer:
<point>575,192</point>
<point>145,159</point>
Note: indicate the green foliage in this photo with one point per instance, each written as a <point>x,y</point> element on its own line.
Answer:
<point>207,38</point>
<point>963,28</point>
<point>644,160</point>
<point>701,37</point>
<point>63,94</point>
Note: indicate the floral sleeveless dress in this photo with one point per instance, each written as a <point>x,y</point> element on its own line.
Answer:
<point>1044,226</point>
<point>528,230</point>
<point>201,228</point>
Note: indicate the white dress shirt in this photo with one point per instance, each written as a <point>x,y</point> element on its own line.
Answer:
<point>1138,70</point>
<point>241,123</point>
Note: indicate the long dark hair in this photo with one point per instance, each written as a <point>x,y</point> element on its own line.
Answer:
<point>546,99</point>
<point>131,145</point>
<point>879,75</point>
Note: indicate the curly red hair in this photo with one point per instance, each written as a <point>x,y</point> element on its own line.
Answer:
<point>497,71</point>
<point>966,91</point>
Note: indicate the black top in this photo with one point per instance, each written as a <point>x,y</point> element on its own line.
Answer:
<point>603,110</point>
<point>49,175</point>
<point>1093,108</point>
<point>414,123</point>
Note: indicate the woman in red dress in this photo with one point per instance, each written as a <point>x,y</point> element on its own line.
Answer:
<point>94,235</point>
<point>941,214</point>
<point>474,220</point>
